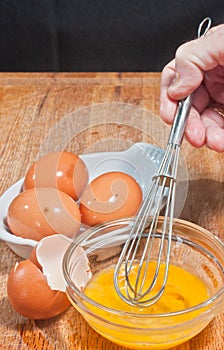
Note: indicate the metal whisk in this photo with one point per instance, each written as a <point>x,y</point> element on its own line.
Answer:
<point>137,288</point>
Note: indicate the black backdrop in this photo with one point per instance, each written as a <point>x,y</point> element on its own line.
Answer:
<point>103,35</point>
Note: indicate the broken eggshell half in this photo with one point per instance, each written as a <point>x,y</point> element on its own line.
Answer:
<point>36,286</point>
<point>50,252</point>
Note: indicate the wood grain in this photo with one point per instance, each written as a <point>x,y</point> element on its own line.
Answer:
<point>86,108</point>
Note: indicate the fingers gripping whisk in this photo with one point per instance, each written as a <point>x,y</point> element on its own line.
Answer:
<point>142,269</point>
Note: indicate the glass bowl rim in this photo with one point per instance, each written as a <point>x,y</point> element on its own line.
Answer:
<point>91,230</point>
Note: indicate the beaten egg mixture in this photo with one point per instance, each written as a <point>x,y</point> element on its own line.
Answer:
<point>183,290</point>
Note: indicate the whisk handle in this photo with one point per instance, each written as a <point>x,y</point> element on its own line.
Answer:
<point>180,120</point>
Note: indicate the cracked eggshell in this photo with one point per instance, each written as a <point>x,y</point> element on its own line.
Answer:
<point>30,295</point>
<point>49,254</point>
<point>36,286</point>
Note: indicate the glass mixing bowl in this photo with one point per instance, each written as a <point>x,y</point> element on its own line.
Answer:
<point>193,248</point>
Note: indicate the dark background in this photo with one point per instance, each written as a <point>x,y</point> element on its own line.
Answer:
<point>88,35</point>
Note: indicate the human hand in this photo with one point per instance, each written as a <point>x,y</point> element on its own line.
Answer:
<point>198,66</point>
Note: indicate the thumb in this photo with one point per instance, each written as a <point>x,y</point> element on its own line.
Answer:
<point>193,59</point>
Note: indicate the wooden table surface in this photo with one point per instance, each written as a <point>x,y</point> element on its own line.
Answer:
<point>86,113</point>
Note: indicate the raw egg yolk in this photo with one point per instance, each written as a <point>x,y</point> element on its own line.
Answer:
<point>183,290</point>
<point>179,293</point>
<point>110,196</point>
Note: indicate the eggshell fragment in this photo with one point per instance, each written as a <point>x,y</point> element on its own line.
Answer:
<point>50,253</point>
<point>36,286</point>
<point>41,212</point>
<point>30,295</point>
<point>62,170</point>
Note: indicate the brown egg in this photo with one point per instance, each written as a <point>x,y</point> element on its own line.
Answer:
<point>111,196</point>
<point>62,170</point>
<point>33,258</point>
<point>30,295</point>
<point>40,212</point>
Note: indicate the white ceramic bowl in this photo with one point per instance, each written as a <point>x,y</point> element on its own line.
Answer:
<point>140,161</point>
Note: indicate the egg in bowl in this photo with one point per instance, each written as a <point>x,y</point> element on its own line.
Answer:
<point>195,253</point>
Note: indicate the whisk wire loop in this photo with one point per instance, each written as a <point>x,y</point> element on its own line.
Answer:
<point>163,183</point>
<point>140,282</point>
